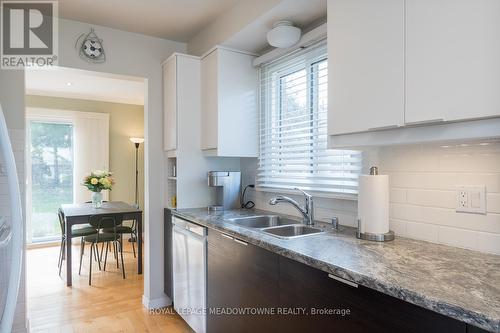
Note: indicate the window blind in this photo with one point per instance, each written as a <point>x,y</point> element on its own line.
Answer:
<point>293,128</point>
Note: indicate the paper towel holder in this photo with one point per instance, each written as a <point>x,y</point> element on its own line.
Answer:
<point>388,236</point>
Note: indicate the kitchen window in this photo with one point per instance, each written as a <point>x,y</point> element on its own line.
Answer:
<point>293,128</point>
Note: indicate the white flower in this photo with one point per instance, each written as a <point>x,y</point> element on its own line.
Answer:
<point>99,173</point>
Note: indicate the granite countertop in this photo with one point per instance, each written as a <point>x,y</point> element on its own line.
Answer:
<point>458,283</point>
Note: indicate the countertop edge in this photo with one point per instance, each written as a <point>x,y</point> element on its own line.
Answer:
<point>449,310</point>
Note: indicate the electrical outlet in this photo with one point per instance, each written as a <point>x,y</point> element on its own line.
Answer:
<point>471,199</point>
<point>462,199</point>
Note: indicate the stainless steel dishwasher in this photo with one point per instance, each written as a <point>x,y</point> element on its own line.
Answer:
<point>190,272</point>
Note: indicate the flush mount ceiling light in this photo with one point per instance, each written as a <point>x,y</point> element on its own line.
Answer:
<point>283,34</point>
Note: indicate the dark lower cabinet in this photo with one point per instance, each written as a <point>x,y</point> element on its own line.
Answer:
<point>244,277</point>
<point>473,329</point>
<point>369,310</point>
<point>241,277</point>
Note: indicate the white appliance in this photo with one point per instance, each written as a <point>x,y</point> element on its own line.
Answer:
<point>190,272</point>
<point>11,231</point>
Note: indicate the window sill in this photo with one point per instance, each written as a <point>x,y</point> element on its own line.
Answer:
<point>316,194</point>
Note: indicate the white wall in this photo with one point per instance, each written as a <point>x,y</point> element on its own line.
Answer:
<point>126,54</point>
<point>422,200</point>
<point>228,24</point>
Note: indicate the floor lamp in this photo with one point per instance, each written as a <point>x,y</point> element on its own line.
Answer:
<point>137,142</point>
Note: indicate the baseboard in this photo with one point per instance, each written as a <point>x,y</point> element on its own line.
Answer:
<point>156,303</point>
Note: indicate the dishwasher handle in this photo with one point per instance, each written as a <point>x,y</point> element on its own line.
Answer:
<point>189,226</point>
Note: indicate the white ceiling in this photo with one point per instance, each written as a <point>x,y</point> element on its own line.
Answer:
<point>177,20</point>
<point>70,83</point>
<point>305,14</point>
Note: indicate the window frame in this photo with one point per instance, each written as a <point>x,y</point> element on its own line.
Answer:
<point>304,60</point>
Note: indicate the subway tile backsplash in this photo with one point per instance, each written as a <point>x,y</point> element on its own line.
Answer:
<point>423,180</point>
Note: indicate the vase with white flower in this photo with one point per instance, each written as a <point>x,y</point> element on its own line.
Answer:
<point>97,182</point>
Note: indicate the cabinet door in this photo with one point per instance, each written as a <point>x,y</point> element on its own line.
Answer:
<point>302,286</point>
<point>170,104</point>
<point>365,65</point>
<point>307,288</point>
<point>209,101</point>
<point>240,276</point>
<point>238,105</point>
<point>452,60</point>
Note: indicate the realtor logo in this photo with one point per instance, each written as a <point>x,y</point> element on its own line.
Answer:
<point>28,34</point>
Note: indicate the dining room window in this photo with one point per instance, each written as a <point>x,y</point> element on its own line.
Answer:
<point>293,128</point>
<point>51,153</point>
<point>63,146</point>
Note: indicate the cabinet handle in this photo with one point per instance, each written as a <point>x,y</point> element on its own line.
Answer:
<point>379,128</point>
<point>336,278</point>
<point>227,236</point>
<point>423,122</point>
<point>240,242</point>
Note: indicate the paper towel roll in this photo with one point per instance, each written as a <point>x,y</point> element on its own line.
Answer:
<point>373,204</point>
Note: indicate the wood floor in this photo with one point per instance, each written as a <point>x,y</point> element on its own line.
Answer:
<point>111,304</point>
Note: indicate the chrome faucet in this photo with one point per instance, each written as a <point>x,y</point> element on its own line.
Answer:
<point>308,210</point>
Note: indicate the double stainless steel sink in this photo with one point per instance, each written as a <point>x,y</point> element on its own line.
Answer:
<point>277,226</point>
<point>262,221</point>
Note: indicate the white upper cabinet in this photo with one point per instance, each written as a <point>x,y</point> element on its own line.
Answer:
<point>452,60</point>
<point>396,64</point>
<point>170,104</point>
<point>229,108</point>
<point>365,65</point>
<point>181,99</point>
<point>209,100</point>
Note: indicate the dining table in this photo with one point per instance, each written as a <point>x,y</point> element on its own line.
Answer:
<point>80,213</point>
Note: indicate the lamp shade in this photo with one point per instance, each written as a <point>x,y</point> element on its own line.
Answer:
<point>283,34</point>
<point>137,140</point>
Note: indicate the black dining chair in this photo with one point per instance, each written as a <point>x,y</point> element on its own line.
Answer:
<point>110,222</point>
<point>124,229</point>
<point>84,230</point>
